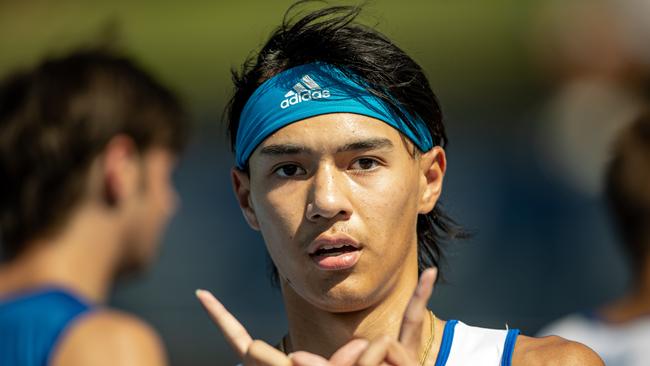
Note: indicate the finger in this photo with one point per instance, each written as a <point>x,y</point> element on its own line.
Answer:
<point>232,329</point>
<point>411,330</point>
<point>261,353</point>
<point>376,352</point>
<point>349,353</point>
<point>302,358</point>
<point>398,355</point>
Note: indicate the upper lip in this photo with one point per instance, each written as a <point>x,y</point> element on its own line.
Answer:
<point>335,240</point>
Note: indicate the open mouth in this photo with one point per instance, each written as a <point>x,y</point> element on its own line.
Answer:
<point>334,250</point>
<point>332,255</point>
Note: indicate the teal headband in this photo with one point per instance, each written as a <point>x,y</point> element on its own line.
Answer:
<point>310,90</point>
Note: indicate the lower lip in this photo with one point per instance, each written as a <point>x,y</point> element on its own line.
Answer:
<point>338,262</point>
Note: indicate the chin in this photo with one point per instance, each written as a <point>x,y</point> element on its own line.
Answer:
<point>349,295</point>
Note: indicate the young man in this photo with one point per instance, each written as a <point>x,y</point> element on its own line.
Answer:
<point>339,143</point>
<point>620,331</point>
<point>87,145</point>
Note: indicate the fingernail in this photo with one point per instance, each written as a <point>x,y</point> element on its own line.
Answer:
<point>198,292</point>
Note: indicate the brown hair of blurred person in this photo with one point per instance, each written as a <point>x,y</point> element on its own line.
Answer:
<point>628,195</point>
<point>88,142</point>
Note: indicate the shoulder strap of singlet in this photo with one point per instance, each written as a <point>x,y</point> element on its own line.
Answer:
<point>83,310</point>
<point>445,343</point>
<point>488,341</point>
<point>34,322</point>
<point>509,347</point>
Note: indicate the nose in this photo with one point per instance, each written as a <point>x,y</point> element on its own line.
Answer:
<point>329,195</point>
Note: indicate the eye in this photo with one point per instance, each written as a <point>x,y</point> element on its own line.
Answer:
<point>289,170</point>
<point>365,164</point>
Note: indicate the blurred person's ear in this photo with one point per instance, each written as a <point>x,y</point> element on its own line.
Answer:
<point>433,165</point>
<point>121,170</point>
<point>241,186</point>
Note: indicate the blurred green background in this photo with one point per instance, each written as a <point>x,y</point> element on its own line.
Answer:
<point>467,46</point>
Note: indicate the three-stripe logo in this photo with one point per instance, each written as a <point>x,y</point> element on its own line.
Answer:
<point>306,89</point>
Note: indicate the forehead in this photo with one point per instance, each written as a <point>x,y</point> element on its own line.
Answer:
<point>332,130</point>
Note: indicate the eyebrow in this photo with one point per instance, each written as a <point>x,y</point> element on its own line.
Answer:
<point>283,149</point>
<point>369,144</point>
<point>294,149</point>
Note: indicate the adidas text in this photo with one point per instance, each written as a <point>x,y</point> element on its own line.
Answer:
<point>304,96</point>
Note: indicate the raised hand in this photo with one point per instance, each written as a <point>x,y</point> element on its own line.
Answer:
<point>251,352</point>
<point>384,350</point>
<point>410,333</point>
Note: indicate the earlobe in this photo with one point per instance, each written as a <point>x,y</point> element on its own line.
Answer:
<point>433,165</point>
<point>241,186</point>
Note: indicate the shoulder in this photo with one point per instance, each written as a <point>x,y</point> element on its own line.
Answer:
<point>110,337</point>
<point>553,351</point>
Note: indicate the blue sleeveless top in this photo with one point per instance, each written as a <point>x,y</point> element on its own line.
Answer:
<point>31,323</point>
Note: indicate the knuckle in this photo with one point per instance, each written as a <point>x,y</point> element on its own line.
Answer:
<point>386,340</point>
<point>255,347</point>
<point>412,318</point>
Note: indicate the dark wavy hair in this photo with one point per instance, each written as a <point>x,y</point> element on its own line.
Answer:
<point>56,118</point>
<point>332,35</point>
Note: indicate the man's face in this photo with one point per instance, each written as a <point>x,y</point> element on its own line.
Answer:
<point>336,198</point>
<point>152,206</point>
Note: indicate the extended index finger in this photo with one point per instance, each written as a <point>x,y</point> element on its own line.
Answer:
<point>411,329</point>
<point>231,328</point>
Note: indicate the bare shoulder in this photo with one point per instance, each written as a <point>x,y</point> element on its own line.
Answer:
<point>553,351</point>
<point>110,337</point>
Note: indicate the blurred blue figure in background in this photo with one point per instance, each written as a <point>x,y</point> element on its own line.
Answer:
<point>620,330</point>
<point>88,142</point>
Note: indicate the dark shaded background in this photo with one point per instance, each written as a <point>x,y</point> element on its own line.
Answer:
<point>543,245</point>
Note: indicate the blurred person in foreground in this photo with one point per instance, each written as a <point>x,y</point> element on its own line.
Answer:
<point>88,142</point>
<point>339,143</point>
<point>620,330</point>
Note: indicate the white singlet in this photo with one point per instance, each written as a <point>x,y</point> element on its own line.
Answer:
<point>463,345</point>
<point>466,345</point>
<point>626,344</point>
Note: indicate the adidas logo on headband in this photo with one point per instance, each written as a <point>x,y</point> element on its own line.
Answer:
<point>304,90</point>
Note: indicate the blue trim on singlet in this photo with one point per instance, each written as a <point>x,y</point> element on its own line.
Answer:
<point>33,322</point>
<point>445,344</point>
<point>509,347</point>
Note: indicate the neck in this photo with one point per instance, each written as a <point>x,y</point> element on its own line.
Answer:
<point>323,332</point>
<point>82,258</point>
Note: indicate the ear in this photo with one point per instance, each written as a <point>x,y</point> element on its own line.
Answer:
<point>241,186</point>
<point>120,170</point>
<point>433,165</point>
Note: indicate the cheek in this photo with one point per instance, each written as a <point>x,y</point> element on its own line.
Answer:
<point>161,194</point>
<point>280,211</point>
<point>388,202</point>
<point>169,197</point>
